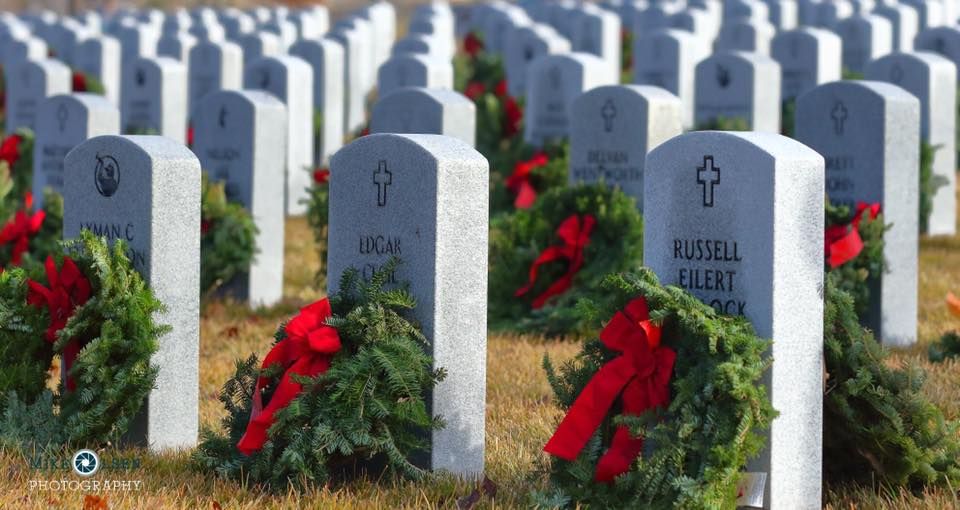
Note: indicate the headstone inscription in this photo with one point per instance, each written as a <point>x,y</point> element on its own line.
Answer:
<point>421,198</point>
<point>737,220</point>
<point>146,191</point>
<point>290,79</point>
<point>240,139</point>
<point>869,133</point>
<point>933,80</point>
<point>735,85</point>
<point>616,126</point>
<point>28,84</point>
<point>153,99</point>
<point>417,110</point>
<point>63,122</point>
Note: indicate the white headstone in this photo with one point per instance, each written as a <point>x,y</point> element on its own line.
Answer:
<point>326,58</point>
<point>553,82</point>
<point>28,84</point>
<point>416,110</point>
<point>739,85</point>
<point>153,98</point>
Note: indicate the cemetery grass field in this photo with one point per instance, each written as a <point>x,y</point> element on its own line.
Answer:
<point>520,415</point>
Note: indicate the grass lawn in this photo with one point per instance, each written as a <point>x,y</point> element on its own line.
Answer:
<point>520,416</point>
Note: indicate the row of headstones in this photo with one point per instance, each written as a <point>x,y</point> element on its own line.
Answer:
<point>424,198</point>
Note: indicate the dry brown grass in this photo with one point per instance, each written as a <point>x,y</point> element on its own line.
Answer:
<point>520,416</point>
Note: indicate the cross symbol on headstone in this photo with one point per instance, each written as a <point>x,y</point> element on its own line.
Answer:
<point>609,111</point>
<point>708,176</point>
<point>382,178</point>
<point>62,115</point>
<point>140,77</point>
<point>222,119</point>
<point>839,116</point>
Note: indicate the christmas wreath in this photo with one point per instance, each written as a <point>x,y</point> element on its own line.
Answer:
<point>667,370</point>
<point>533,172</point>
<point>27,236</point>
<point>342,389</point>
<point>878,425</point>
<point>546,258</point>
<point>95,312</point>
<point>853,249</point>
<point>16,151</point>
<point>83,82</point>
<point>227,238</point>
<point>318,205</point>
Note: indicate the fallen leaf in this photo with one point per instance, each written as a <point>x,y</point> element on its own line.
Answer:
<point>232,332</point>
<point>215,505</point>
<point>953,304</point>
<point>487,488</point>
<point>91,502</point>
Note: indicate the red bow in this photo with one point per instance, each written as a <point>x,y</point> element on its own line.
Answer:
<point>10,149</point>
<point>642,372</point>
<point>306,351</point>
<point>575,237</point>
<point>513,115</point>
<point>843,242</point>
<point>474,90</point>
<point>190,135</point>
<point>472,44</point>
<point>79,82</point>
<point>19,230</point>
<point>68,291</point>
<point>519,181</point>
<point>321,175</point>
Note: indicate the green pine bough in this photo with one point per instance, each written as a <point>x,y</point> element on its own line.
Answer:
<point>113,371</point>
<point>22,171</point>
<point>712,425</point>
<point>878,426</point>
<point>517,239</point>
<point>318,217</point>
<point>227,238</point>
<point>858,275</point>
<point>929,183</point>
<point>367,410</point>
<point>44,242</point>
<point>722,123</point>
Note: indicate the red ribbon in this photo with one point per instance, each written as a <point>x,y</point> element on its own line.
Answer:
<point>10,150</point>
<point>68,291</point>
<point>642,372</point>
<point>19,230</point>
<point>519,181</point>
<point>472,45</point>
<point>575,236</point>
<point>321,175</point>
<point>513,115</point>
<point>474,90</point>
<point>843,242</point>
<point>79,82</point>
<point>306,351</point>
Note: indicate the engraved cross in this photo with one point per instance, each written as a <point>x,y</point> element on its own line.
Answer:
<point>839,116</point>
<point>382,178</point>
<point>608,112</point>
<point>708,176</point>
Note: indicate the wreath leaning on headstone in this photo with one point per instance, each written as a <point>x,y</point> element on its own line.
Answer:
<point>318,212</point>
<point>669,371</point>
<point>341,390</point>
<point>227,238</point>
<point>95,312</point>
<point>853,250</point>
<point>546,258</point>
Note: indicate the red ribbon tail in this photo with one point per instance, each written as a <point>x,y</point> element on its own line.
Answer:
<point>588,411</point>
<point>558,287</point>
<point>548,255</point>
<point>845,249</point>
<point>617,460</point>
<point>526,196</point>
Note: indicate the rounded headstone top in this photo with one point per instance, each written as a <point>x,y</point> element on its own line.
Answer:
<point>646,92</point>
<point>149,145</point>
<point>883,91</point>
<point>773,145</point>
<point>85,100</point>
<point>437,96</point>
<point>744,57</point>
<point>435,147</point>
<point>924,58</point>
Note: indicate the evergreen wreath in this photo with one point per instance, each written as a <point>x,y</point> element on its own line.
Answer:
<point>362,404</point>
<point>16,150</point>
<point>83,82</point>
<point>615,243</point>
<point>227,238</point>
<point>27,236</point>
<point>878,426</point>
<point>704,411</point>
<point>94,311</point>
<point>854,250</point>
<point>318,213</point>
<point>519,178</point>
